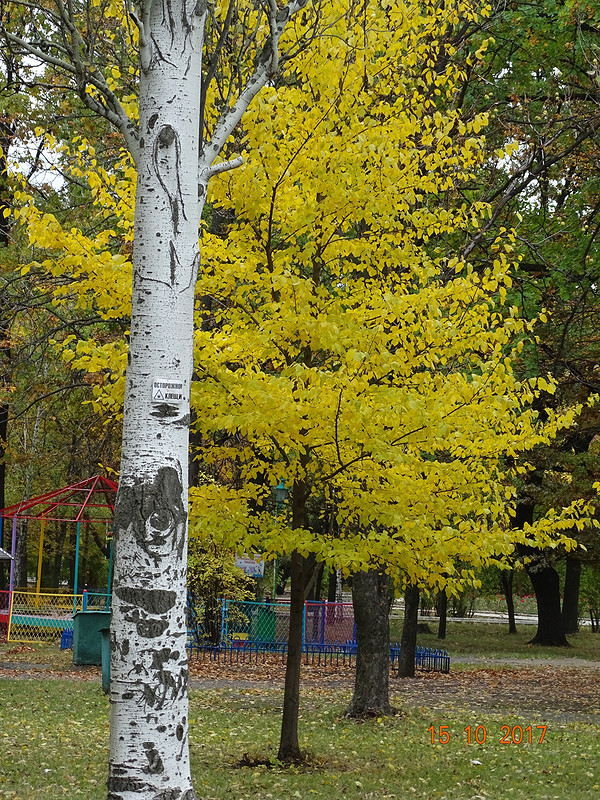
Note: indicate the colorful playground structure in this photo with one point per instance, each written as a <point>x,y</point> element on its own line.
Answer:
<point>82,504</point>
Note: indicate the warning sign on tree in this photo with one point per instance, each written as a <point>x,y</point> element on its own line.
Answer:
<point>165,390</point>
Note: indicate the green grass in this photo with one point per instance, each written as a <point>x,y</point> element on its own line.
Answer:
<point>46,654</point>
<point>493,641</point>
<point>54,743</point>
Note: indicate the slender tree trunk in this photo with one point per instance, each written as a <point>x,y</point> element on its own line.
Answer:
<point>570,604</point>
<point>443,613</point>
<point>372,598</point>
<point>61,537</point>
<point>289,747</point>
<point>21,554</point>
<point>331,585</point>
<point>506,582</point>
<point>408,643</point>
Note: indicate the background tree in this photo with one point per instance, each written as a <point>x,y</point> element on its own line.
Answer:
<point>547,190</point>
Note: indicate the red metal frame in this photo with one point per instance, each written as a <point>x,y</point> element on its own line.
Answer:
<point>79,498</point>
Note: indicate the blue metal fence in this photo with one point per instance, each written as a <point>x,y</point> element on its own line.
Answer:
<point>237,631</point>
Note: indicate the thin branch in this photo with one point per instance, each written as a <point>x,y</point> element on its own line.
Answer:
<point>265,66</point>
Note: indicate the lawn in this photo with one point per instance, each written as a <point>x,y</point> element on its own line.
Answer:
<point>492,640</point>
<point>54,738</point>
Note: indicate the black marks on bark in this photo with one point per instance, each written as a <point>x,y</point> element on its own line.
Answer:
<point>172,794</point>
<point>189,795</point>
<point>168,17</point>
<point>148,628</point>
<point>166,136</point>
<point>170,679</point>
<point>174,261</point>
<point>155,762</point>
<point>180,732</point>
<point>162,657</point>
<point>152,121</point>
<point>155,514</point>
<point>164,410</point>
<point>167,165</point>
<point>153,601</point>
<point>118,783</point>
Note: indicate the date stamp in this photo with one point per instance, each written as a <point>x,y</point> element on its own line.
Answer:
<point>478,734</point>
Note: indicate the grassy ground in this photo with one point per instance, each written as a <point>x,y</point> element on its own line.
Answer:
<point>53,744</point>
<point>54,729</point>
<point>492,640</point>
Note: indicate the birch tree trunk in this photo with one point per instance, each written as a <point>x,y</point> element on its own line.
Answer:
<point>149,714</point>
<point>149,674</point>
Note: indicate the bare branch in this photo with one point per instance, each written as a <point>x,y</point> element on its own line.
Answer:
<point>223,166</point>
<point>265,66</point>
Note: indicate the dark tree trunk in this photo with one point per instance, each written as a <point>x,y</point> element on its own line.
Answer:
<point>408,644</point>
<point>570,605</point>
<point>443,613</point>
<point>331,585</point>
<point>58,554</point>
<point>289,748</point>
<point>546,585</point>
<point>506,582</point>
<point>545,582</point>
<point>372,599</point>
<point>21,555</point>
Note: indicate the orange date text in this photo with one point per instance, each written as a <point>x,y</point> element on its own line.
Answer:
<point>478,734</point>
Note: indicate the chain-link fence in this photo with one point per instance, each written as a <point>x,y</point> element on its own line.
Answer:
<point>96,601</point>
<point>4,613</point>
<point>226,622</point>
<point>37,617</point>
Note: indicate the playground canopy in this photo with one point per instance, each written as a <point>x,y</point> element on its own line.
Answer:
<point>71,503</point>
<point>90,500</point>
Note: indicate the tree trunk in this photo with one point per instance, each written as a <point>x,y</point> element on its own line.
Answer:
<point>408,644</point>
<point>371,597</point>
<point>21,554</point>
<point>331,585</point>
<point>149,755</point>
<point>546,585</point>
<point>289,747</point>
<point>570,605</point>
<point>443,613</point>
<point>506,582</point>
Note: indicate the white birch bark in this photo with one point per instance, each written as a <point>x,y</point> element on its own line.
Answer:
<point>149,755</point>
<point>149,705</point>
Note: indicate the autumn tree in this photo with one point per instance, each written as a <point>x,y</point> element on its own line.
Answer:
<point>342,352</point>
<point>538,81</point>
